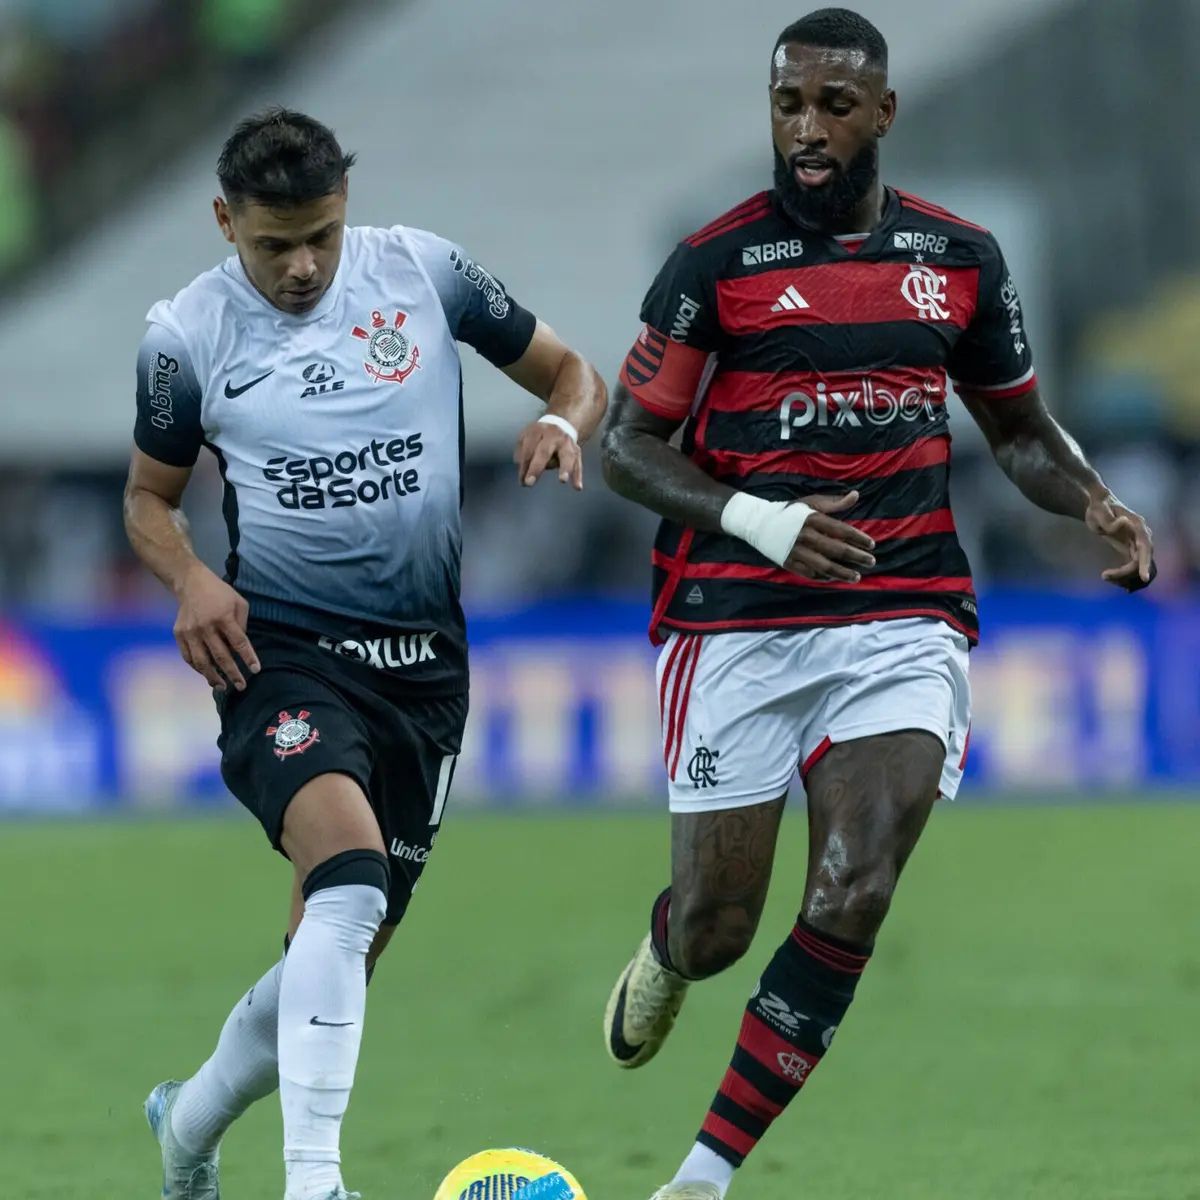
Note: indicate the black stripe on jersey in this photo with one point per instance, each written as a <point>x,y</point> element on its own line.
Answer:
<point>229,510</point>
<point>762,432</point>
<point>928,555</point>
<point>734,603</point>
<point>890,497</point>
<point>864,348</point>
<point>895,498</point>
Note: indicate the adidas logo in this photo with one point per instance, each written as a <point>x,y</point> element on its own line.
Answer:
<point>695,596</point>
<point>790,301</point>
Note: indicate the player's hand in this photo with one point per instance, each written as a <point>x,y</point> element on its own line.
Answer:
<point>211,629</point>
<point>828,548</point>
<point>543,447</point>
<point>1127,533</point>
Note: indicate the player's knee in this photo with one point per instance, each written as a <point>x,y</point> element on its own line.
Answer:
<point>710,940</point>
<point>349,892</point>
<point>853,903</point>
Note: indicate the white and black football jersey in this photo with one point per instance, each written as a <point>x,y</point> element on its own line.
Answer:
<point>338,432</point>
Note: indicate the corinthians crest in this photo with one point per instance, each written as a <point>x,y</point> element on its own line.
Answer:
<point>391,355</point>
<point>293,735</point>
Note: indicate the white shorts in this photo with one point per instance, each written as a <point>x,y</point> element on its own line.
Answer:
<point>742,711</point>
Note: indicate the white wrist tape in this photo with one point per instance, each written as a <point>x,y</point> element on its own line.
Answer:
<point>770,526</point>
<point>561,423</point>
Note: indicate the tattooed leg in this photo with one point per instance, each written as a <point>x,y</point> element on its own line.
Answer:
<point>868,801</point>
<point>721,869</point>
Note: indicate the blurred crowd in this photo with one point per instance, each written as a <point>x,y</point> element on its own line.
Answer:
<point>95,92</point>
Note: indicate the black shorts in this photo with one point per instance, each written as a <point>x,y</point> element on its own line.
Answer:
<point>310,711</point>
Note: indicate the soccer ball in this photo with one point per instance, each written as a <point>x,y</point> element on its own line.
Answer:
<point>509,1175</point>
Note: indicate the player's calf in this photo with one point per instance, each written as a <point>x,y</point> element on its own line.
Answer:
<point>706,937</point>
<point>322,998</point>
<point>703,923</point>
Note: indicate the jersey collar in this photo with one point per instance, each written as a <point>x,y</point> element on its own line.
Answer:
<point>875,240</point>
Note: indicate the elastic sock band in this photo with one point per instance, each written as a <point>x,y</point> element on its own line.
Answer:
<point>366,867</point>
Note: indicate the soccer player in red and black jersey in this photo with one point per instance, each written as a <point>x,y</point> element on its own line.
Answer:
<point>813,603</point>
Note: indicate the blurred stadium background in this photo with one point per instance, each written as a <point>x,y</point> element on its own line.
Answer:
<point>567,145</point>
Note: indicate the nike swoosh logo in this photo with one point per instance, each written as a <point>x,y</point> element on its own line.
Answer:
<point>622,1049</point>
<point>232,393</point>
<point>331,1024</point>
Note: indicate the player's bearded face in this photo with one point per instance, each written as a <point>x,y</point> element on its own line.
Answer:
<point>831,205</point>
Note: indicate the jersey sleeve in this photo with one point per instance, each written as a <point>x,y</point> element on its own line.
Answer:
<point>478,308</point>
<point>681,302</point>
<point>993,357</point>
<point>666,366</point>
<point>168,425</point>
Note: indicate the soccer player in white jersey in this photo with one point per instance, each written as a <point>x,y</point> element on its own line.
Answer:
<point>320,365</point>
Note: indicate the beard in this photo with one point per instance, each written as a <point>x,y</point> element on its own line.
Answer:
<point>828,208</point>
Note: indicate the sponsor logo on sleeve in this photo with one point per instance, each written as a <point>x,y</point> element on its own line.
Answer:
<point>489,285</point>
<point>163,370</point>
<point>1012,305</point>
<point>685,316</point>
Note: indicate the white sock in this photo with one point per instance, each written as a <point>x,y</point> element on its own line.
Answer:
<point>322,1001</point>
<point>703,1165</point>
<point>243,1068</point>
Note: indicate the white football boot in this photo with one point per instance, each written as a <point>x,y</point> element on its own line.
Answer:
<point>186,1176</point>
<point>688,1191</point>
<point>642,1009</point>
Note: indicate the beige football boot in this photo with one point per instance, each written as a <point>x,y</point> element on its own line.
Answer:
<point>688,1191</point>
<point>642,1009</point>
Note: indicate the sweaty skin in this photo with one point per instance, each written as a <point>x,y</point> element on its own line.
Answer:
<point>868,798</point>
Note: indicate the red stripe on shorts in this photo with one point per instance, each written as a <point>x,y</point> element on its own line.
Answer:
<point>687,692</point>
<point>672,724</point>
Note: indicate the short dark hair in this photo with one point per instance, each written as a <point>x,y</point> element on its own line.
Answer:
<point>838,29</point>
<point>281,158</point>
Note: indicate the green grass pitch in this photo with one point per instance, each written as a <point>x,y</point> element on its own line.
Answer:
<point>1028,1028</point>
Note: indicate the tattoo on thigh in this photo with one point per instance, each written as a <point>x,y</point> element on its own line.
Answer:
<point>726,857</point>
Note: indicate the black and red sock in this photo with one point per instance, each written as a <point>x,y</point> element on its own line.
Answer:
<point>789,1023</point>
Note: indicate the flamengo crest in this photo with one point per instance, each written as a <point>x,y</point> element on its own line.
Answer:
<point>925,290</point>
<point>293,735</point>
<point>391,355</point>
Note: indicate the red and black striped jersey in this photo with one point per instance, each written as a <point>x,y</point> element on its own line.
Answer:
<point>809,364</point>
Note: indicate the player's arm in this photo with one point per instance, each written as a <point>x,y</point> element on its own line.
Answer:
<point>1050,468</point>
<point>992,369</point>
<point>641,464</point>
<point>575,399</point>
<point>481,313</point>
<point>660,380</point>
<point>210,628</point>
